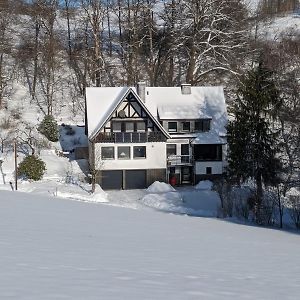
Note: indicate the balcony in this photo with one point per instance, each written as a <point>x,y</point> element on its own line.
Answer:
<point>130,137</point>
<point>180,160</point>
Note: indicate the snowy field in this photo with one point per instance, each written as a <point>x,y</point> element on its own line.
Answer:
<point>52,248</point>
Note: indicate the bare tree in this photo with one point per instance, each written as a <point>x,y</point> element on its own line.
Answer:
<point>94,14</point>
<point>6,18</point>
<point>213,36</point>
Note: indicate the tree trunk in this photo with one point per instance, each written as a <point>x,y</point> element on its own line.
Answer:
<point>35,65</point>
<point>192,63</point>
<point>279,207</point>
<point>259,195</point>
<point>67,4</point>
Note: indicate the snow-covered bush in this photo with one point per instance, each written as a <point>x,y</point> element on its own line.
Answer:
<point>224,190</point>
<point>32,167</point>
<point>48,127</point>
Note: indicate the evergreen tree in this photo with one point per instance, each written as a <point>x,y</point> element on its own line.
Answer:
<point>252,137</point>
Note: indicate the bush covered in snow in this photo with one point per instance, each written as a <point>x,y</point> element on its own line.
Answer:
<point>48,127</point>
<point>32,167</point>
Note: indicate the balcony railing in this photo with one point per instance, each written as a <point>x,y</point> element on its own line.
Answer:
<point>130,137</point>
<point>179,160</point>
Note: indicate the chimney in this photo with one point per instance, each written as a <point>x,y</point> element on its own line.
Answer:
<point>141,90</point>
<point>186,89</point>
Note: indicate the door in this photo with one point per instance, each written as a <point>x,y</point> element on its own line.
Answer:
<point>135,179</point>
<point>185,152</point>
<point>112,180</point>
<point>186,174</point>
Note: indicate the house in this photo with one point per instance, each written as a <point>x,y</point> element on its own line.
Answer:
<point>143,134</point>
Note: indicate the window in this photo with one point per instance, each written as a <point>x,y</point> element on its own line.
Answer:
<point>123,152</point>
<point>186,126</point>
<point>140,126</point>
<point>206,125</point>
<point>171,149</point>
<point>116,126</point>
<point>107,152</point>
<point>129,126</point>
<point>208,152</point>
<point>202,125</point>
<point>139,152</point>
<point>172,126</point>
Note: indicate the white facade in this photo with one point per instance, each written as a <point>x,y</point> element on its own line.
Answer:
<point>155,157</point>
<point>217,167</point>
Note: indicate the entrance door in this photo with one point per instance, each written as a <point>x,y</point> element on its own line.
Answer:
<point>186,174</point>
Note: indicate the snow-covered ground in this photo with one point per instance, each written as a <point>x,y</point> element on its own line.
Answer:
<point>64,178</point>
<point>279,27</point>
<point>52,248</point>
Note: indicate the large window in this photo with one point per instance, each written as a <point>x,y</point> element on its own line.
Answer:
<point>107,152</point>
<point>172,126</point>
<point>208,152</point>
<point>139,152</point>
<point>202,125</point>
<point>123,152</point>
<point>171,149</point>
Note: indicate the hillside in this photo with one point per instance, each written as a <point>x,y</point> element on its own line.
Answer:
<point>59,249</point>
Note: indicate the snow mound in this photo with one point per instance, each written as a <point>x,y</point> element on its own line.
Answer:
<point>170,201</point>
<point>204,185</point>
<point>160,187</point>
<point>293,192</point>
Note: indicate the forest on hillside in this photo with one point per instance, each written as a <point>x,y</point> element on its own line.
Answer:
<point>68,45</point>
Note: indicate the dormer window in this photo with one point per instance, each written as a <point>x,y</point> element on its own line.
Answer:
<point>202,125</point>
<point>186,126</point>
<point>172,126</point>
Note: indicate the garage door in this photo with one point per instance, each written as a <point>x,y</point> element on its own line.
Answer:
<point>111,180</point>
<point>135,179</point>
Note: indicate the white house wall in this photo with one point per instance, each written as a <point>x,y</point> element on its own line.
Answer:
<point>155,157</point>
<point>216,167</point>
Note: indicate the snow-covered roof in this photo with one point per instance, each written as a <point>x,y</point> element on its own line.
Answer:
<point>100,103</point>
<point>204,102</point>
<point>180,112</point>
<point>210,137</point>
<point>162,103</point>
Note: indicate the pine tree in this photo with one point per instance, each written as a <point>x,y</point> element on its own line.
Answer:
<point>252,137</point>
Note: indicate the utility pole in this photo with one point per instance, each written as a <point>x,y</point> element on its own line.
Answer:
<point>16,167</point>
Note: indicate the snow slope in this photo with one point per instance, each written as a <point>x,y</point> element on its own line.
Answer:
<point>58,249</point>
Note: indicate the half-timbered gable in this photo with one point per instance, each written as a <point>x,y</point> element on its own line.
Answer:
<point>130,122</point>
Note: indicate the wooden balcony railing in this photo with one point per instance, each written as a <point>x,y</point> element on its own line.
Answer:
<point>130,137</point>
